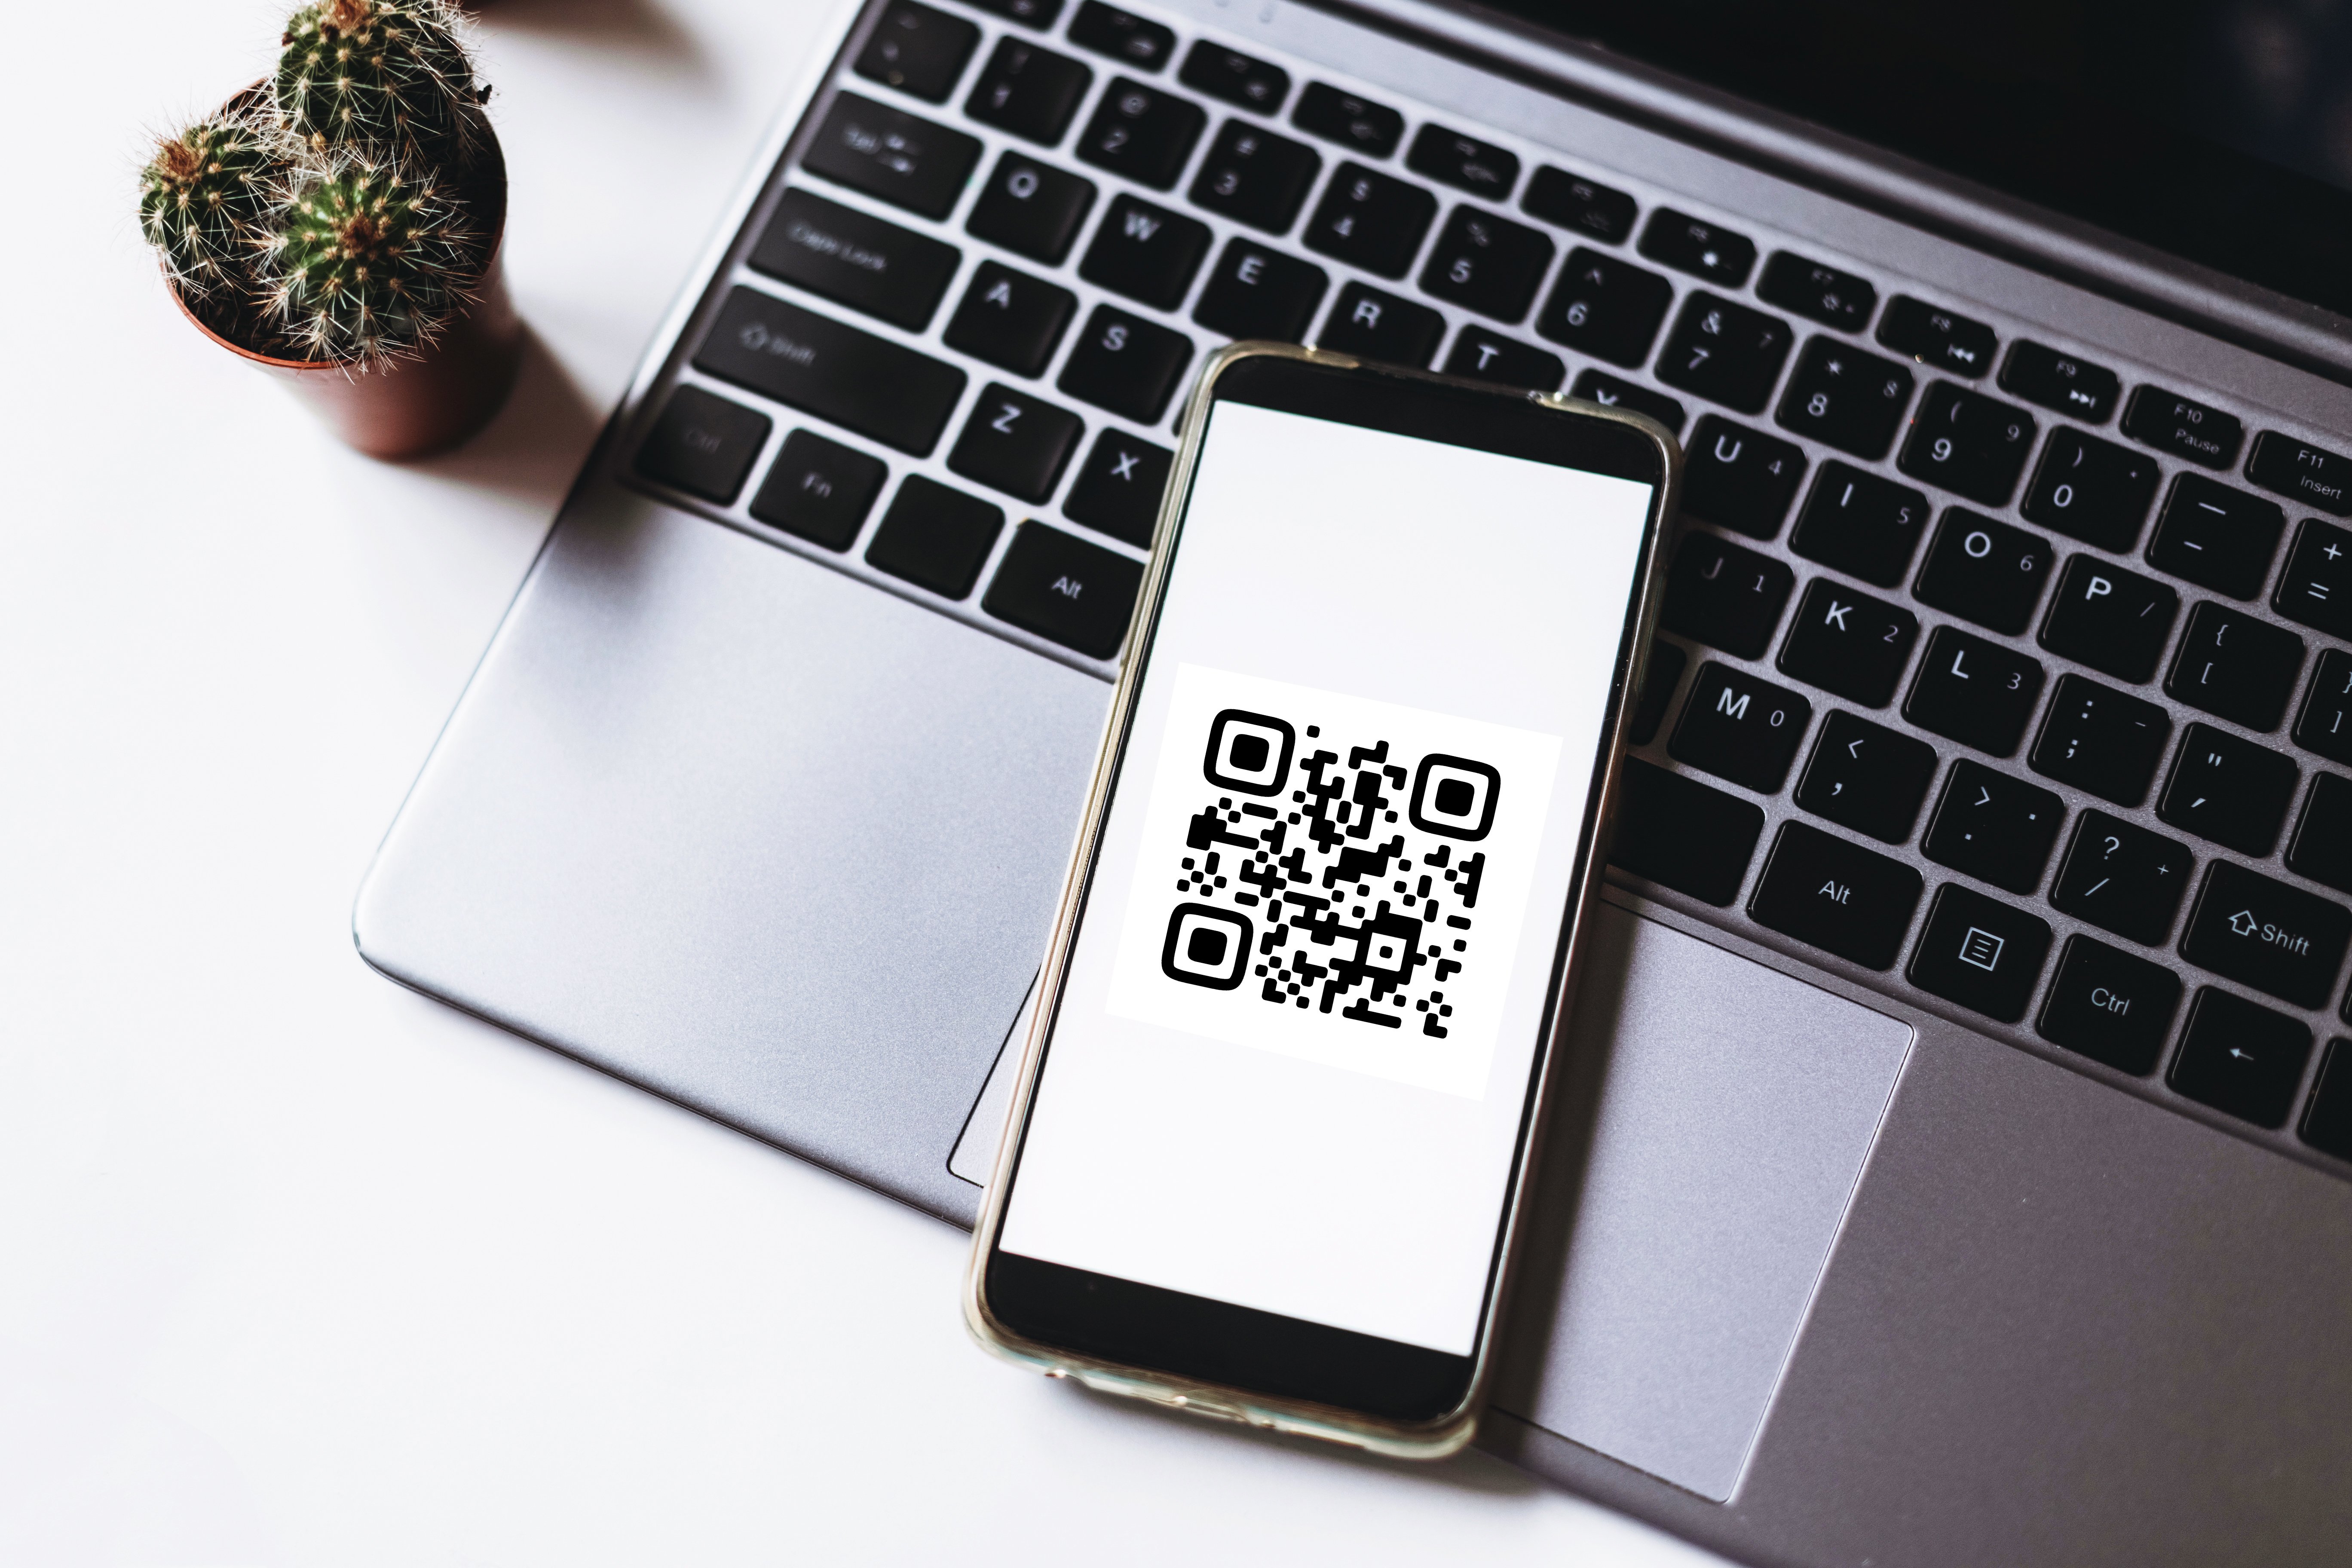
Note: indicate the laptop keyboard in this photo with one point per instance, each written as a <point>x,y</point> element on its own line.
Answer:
<point>1997,675</point>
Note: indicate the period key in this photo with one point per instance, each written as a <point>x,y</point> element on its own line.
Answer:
<point>1836,895</point>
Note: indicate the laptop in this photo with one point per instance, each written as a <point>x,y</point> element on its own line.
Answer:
<point>1956,1161</point>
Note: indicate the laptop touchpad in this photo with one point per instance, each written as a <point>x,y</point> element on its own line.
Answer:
<point>1708,1133</point>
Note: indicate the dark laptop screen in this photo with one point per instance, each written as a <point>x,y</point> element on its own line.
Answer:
<point>2217,130</point>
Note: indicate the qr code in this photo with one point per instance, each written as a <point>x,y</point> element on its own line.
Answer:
<point>1331,872</point>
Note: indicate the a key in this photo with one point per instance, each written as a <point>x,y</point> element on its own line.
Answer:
<point>1145,252</point>
<point>2110,1006</point>
<point>934,537</point>
<point>2174,424</point>
<point>1680,833</point>
<point>2055,380</point>
<point>1724,597</point>
<point>1605,308</point>
<point>1010,319</point>
<point>1861,524</point>
<point>2216,537</point>
<point>1816,292</point>
<point>1937,338</point>
<point>2311,475</point>
<point>2091,489</point>
<point>703,445</point>
<point>820,490</point>
<point>1141,132</point>
<point>1849,644</point>
<point>1063,589</point>
<point>1615,391</point>
<point>1364,321</point>
<point>2261,932</point>
<point>1126,364</point>
<point>1740,478</point>
<point>1970,444</point>
<point>1487,263</point>
<point>888,153</point>
<point>1832,894</point>
<point>1995,828</point>
<point>1668,662</point>
<point>1980,952</point>
<point>2101,741</point>
<point>1037,13</point>
<point>919,50</point>
<point>2325,722</point>
<point>1974,691</point>
<point>1725,352</point>
<point>2321,846</point>
<point>1867,777</point>
<point>2315,589</point>
<point>1255,177</point>
<point>1235,78</point>
<point>1852,400</point>
<point>1489,356</point>
<point>1739,728</point>
<point>1463,162</point>
<point>2234,666</point>
<point>853,378</point>
<point>1123,36</point>
<point>860,262</point>
<point>1572,202</point>
<point>1118,486</point>
<point>2239,1058</point>
<point>1370,220</point>
<point>2228,790</point>
<point>1015,443</point>
<point>1256,292</point>
<point>1029,92</point>
<point>1030,208</point>
<point>1370,129</point>
<point>1694,246</point>
<point>1984,570</point>
<point>2328,1122</point>
<point>2123,879</point>
<point>2117,622</point>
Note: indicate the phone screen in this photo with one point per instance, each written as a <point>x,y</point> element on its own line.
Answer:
<point>1288,1071</point>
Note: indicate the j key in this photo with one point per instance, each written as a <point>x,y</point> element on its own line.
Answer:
<point>2059,380</point>
<point>1681,832</point>
<point>2123,879</point>
<point>1560,197</point>
<point>845,255</point>
<point>1725,352</point>
<point>2110,1006</point>
<point>1463,162</point>
<point>2241,1059</point>
<point>919,50</point>
<point>1028,13</point>
<point>1123,37</point>
<point>1850,399</point>
<point>1118,486</point>
<point>1980,952</point>
<point>1968,443</point>
<point>1063,589</point>
<point>1010,319</point>
<point>1605,308</point>
<point>2317,587</point>
<point>2091,490</point>
<point>1984,570</point>
<point>1029,92</point>
<point>1142,133</point>
<point>2117,622</point>
<point>1255,177</point>
<point>2327,1123</point>
<point>819,490</point>
<point>1031,209</point>
<point>2228,790</point>
<point>1145,252</point>
<point>2325,724</point>
<point>1724,597</point>
<point>1865,776</point>
<point>910,162</point>
<point>1819,293</point>
<point>1235,78</point>
<point>1974,691</point>
<point>1936,337</point>
<point>1489,356</point>
<point>2309,474</point>
<point>1668,662</point>
<point>2101,741</point>
<point>1255,292</point>
<point>1861,524</point>
<point>934,537</point>
<point>1015,443</point>
<point>2321,847</point>
<point>1613,392</point>
<point>1488,263</point>
<point>1739,728</point>
<point>1836,895</point>
<point>1126,364</point>
<point>1372,129</point>
<point>1994,827</point>
<point>854,379</point>
<point>1849,644</point>
<point>2279,940</point>
<point>2216,537</point>
<point>2173,424</point>
<point>1365,322</point>
<point>1369,220</point>
<point>1740,478</point>
<point>1692,245</point>
<point>2234,666</point>
<point>703,445</point>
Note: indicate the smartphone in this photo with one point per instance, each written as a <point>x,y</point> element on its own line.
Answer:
<point>1285,1076</point>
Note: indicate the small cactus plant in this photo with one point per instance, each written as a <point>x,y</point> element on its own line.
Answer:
<point>387,77</point>
<point>366,262</point>
<point>203,195</point>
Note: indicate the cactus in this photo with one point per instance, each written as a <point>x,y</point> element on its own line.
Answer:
<point>386,77</point>
<point>203,195</point>
<point>366,263</point>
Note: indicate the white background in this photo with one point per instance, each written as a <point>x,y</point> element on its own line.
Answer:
<point>295,1266</point>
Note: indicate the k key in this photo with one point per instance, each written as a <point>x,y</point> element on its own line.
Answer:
<point>1849,644</point>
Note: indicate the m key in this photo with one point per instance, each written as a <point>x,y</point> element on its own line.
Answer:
<point>1739,728</point>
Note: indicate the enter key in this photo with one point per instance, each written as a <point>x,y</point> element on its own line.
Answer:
<point>2264,933</point>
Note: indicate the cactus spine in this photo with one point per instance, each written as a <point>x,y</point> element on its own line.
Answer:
<point>202,198</point>
<point>387,77</point>
<point>367,262</point>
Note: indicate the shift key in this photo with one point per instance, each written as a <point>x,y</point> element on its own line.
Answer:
<point>2264,933</point>
<point>1836,896</point>
<point>858,381</point>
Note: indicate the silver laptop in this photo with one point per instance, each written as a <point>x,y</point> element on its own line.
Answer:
<point>1956,1166</point>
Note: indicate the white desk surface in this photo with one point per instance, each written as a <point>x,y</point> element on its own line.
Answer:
<point>297,1266</point>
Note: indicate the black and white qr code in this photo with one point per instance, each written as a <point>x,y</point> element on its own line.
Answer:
<point>1330,872</point>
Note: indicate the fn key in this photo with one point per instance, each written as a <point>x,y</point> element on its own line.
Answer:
<point>1076,594</point>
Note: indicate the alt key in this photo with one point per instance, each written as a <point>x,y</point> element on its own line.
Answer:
<point>1076,594</point>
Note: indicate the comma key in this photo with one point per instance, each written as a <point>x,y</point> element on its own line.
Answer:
<point>1832,894</point>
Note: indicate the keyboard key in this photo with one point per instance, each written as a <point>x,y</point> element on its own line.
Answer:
<point>2091,489</point>
<point>1861,524</point>
<point>1936,337</point>
<point>2228,790</point>
<point>2122,878</point>
<point>2216,537</point>
<point>934,537</point>
<point>1739,728</point>
<point>1235,78</point>
<point>2309,474</point>
<point>1816,292</point>
<point>1255,177</point>
<point>1145,253</point>
<point>1725,352</point>
<point>1852,400</point>
<point>1740,478</point>
<point>1015,443</point>
<point>1572,202</point>
<point>2233,665</point>
<point>917,50</point>
<point>1030,208</point>
<point>1123,37</point>
<point>1142,133</point>
<point>1975,691</point>
<point>820,490</point>
<point>1028,13</point>
<point>1463,162</point>
<point>853,378</point>
<point>907,162</point>
<point>2325,724</point>
<point>1694,246</point>
<point>1118,486</point>
<point>1065,590</point>
<point>703,445</point>
<point>2261,932</point>
<point>1010,319</point>
<point>2241,1059</point>
<point>1367,322</point>
<point>1370,129</point>
<point>1664,672</point>
<point>1980,952</point>
<point>1836,896</point>
<point>1968,443</point>
<point>2117,622</point>
<point>1614,392</point>
<point>1369,220</point>
<point>2110,1006</point>
<point>2056,380</point>
<point>2101,741</point>
<point>1488,263</point>
<point>1984,570</point>
<point>1995,828</point>
<point>1126,364</point>
<point>2328,1122</point>
<point>1605,308</point>
<point>1680,833</point>
<point>1849,644</point>
<point>1724,597</point>
<point>860,262</point>
<point>1865,776</point>
<point>1489,356</point>
<point>1029,92</point>
<point>1255,292</point>
<point>2173,424</point>
<point>2317,587</point>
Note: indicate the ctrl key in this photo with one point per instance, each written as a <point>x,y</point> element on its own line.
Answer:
<point>1836,896</point>
<point>1076,594</point>
<point>2111,1006</point>
<point>703,445</point>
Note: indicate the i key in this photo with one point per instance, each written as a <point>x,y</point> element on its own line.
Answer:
<point>2123,879</point>
<point>1861,524</point>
